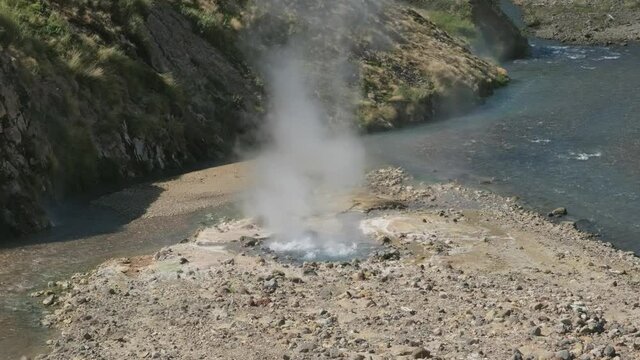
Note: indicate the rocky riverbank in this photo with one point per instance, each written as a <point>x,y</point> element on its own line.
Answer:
<point>454,273</point>
<point>594,22</point>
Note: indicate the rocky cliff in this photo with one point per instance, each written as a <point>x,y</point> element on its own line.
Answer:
<point>95,92</point>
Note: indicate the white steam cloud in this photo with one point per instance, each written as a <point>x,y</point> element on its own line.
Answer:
<point>311,153</point>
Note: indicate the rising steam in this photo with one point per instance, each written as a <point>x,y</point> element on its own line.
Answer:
<point>311,151</point>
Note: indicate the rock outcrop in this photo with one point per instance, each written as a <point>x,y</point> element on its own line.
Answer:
<point>499,37</point>
<point>23,155</point>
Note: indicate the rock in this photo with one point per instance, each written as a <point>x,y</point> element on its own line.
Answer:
<point>609,351</point>
<point>359,276</point>
<point>183,260</point>
<point>563,355</point>
<point>535,331</point>
<point>559,212</point>
<point>384,240</point>
<point>421,353</point>
<point>389,255</point>
<point>37,293</point>
<point>306,347</point>
<point>248,241</point>
<point>49,300</point>
<point>517,355</point>
<point>309,271</point>
<point>270,286</point>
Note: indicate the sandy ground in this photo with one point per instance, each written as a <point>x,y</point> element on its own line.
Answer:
<point>184,194</point>
<point>456,274</point>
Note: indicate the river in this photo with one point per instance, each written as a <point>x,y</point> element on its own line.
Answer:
<point>565,132</point>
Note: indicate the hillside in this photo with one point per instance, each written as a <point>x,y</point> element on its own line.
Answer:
<point>99,92</point>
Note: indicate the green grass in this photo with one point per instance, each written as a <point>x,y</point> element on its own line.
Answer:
<point>453,16</point>
<point>216,22</point>
<point>453,24</point>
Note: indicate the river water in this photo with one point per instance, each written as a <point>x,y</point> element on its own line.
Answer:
<point>83,237</point>
<point>565,132</point>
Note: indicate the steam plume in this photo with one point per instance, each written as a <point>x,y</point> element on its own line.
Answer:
<point>311,150</point>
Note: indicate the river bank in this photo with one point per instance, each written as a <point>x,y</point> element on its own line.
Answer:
<point>456,273</point>
<point>592,22</point>
<point>136,221</point>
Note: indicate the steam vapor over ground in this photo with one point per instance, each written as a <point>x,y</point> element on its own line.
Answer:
<point>311,153</point>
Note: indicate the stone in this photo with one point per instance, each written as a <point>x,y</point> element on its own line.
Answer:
<point>248,241</point>
<point>561,211</point>
<point>563,355</point>
<point>389,255</point>
<point>49,300</point>
<point>517,355</point>
<point>421,353</point>
<point>384,240</point>
<point>270,285</point>
<point>306,347</point>
<point>535,331</point>
<point>359,276</point>
<point>609,351</point>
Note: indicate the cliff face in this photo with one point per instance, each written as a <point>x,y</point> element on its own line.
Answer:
<point>24,154</point>
<point>99,92</point>
<point>498,36</point>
